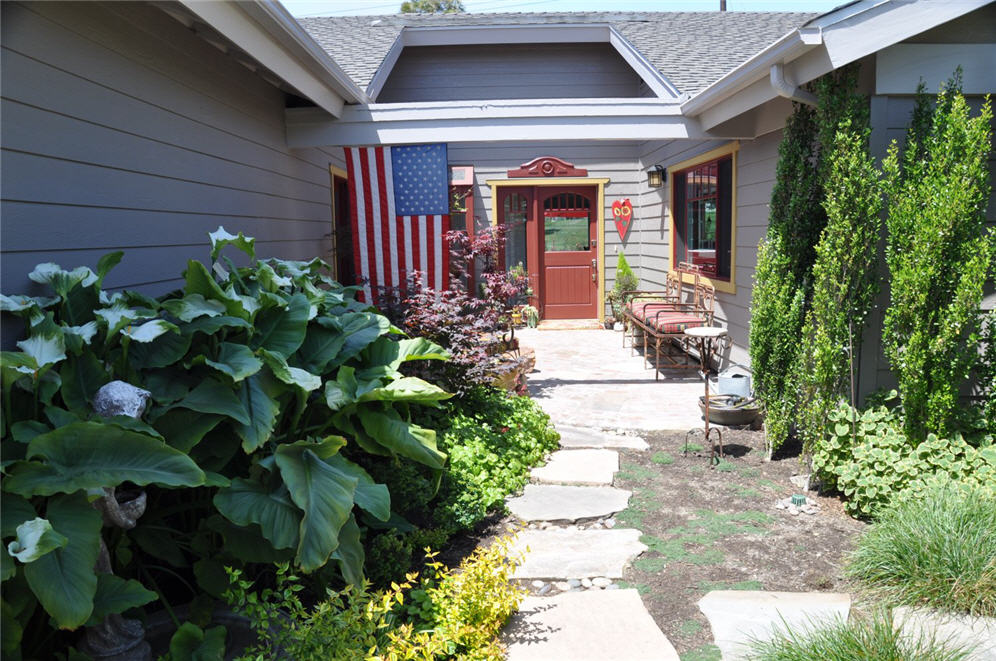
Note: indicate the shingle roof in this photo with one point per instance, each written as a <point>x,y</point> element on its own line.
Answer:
<point>692,49</point>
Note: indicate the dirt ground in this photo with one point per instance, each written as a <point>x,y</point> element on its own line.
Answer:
<point>718,529</point>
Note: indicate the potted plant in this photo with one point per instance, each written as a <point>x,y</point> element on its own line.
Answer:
<point>626,281</point>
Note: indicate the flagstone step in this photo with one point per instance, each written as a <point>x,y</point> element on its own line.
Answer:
<point>573,553</point>
<point>582,437</point>
<point>584,467</point>
<point>737,616</point>
<point>553,502</point>
<point>598,625</point>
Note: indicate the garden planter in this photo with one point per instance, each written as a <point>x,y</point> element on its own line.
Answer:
<point>526,361</point>
<point>978,632</point>
<point>730,409</point>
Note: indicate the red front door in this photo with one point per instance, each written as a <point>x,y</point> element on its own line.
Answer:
<point>551,232</point>
<point>569,281</point>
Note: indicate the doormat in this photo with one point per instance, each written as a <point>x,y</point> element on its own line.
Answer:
<point>570,324</point>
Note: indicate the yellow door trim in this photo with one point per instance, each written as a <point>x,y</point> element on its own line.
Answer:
<point>600,182</point>
<point>730,149</point>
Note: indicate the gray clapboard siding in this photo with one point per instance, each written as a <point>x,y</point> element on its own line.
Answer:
<point>124,130</point>
<point>510,71</point>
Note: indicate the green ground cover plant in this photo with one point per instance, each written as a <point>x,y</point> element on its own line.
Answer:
<point>868,457</point>
<point>933,549</point>
<point>626,280</point>
<point>871,637</point>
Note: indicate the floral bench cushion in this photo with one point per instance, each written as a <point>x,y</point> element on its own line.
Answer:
<point>669,323</point>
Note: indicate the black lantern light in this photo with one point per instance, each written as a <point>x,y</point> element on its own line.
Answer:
<point>656,176</point>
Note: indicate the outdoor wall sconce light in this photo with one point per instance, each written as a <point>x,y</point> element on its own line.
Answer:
<point>656,176</point>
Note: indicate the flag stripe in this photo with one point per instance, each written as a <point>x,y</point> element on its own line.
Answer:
<point>384,253</point>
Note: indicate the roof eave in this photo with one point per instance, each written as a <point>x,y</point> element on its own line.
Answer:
<point>266,31</point>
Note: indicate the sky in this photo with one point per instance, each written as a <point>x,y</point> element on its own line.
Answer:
<point>373,7</point>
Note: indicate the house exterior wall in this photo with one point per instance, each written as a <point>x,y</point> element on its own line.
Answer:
<point>123,130</point>
<point>510,71</point>
<point>755,175</point>
<point>617,161</point>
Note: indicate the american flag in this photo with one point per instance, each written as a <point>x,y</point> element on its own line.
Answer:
<point>400,213</point>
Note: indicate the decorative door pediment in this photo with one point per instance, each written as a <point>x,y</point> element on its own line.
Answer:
<point>547,166</point>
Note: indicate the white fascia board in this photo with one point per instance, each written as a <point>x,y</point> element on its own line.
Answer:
<point>565,33</point>
<point>264,30</point>
<point>843,36</point>
<point>562,119</point>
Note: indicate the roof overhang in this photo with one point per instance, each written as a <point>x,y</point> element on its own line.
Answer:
<point>824,44</point>
<point>492,121</point>
<point>267,32</point>
<point>464,35</point>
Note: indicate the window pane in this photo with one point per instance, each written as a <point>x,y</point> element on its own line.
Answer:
<point>566,233</point>
<point>515,221</point>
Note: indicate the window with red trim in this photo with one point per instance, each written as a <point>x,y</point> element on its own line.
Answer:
<point>703,216</point>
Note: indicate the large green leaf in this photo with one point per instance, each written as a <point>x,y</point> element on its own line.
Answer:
<point>393,353</point>
<point>359,328</point>
<point>108,262</point>
<point>236,360</point>
<point>64,581</point>
<point>88,455</point>
<point>404,438</point>
<point>192,306</point>
<point>119,315</point>
<point>14,510</point>
<point>221,238</point>
<point>258,398</point>
<point>190,643</point>
<point>165,350</point>
<point>183,429</point>
<point>321,346</point>
<point>246,542</point>
<point>211,325</point>
<point>213,396</point>
<point>407,389</point>
<point>11,632</point>
<point>293,376</point>
<point>35,538</point>
<point>282,329</point>
<point>341,392</point>
<point>60,280</point>
<point>246,502</point>
<point>116,595</point>
<point>200,281</point>
<point>374,498</point>
<point>325,495</point>
<point>82,377</point>
<point>149,331</point>
<point>350,553</point>
<point>44,349</point>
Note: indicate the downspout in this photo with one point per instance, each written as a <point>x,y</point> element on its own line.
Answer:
<point>789,91</point>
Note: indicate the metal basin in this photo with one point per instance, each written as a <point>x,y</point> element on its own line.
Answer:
<point>731,410</point>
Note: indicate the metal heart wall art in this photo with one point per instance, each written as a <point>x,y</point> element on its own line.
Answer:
<point>622,213</point>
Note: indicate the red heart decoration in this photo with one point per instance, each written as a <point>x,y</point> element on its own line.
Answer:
<point>622,213</point>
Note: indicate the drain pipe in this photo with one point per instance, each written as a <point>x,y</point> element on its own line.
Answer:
<point>789,91</point>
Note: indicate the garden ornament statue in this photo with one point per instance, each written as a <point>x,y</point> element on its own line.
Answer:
<point>117,638</point>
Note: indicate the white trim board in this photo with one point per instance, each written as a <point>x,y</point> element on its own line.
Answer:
<point>461,35</point>
<point>565,119</point>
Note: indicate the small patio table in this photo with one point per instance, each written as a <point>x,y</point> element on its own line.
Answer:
<point>706,339</point>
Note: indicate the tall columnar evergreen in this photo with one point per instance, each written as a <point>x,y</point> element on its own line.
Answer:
<point>939,255</point>
<point>844,276</point>
<point>784,277</point>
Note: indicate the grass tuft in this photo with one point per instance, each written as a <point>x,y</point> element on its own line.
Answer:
<point>662,458</point>
<point>861,638</point>
<point>938,552</point>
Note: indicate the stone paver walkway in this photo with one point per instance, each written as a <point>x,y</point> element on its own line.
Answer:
<point>585,378</point>
<point>589,383</point>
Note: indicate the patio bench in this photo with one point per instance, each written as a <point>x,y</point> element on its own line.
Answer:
<point>662,317</point>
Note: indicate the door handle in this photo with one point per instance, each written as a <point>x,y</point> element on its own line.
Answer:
<point>594,270</point>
